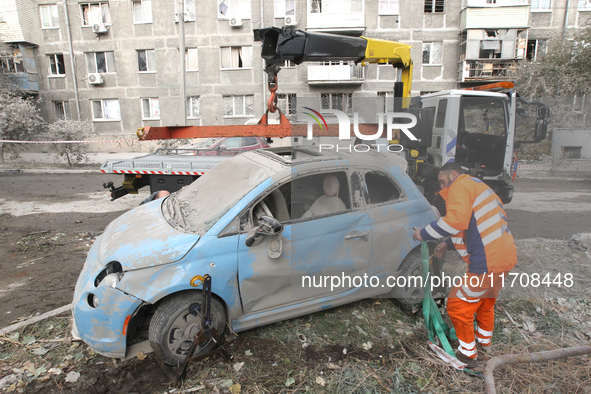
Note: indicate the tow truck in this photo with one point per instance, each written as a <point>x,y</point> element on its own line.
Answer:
<point>475,127</point>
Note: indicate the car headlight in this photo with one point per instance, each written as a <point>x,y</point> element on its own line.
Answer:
<point>112,274</point>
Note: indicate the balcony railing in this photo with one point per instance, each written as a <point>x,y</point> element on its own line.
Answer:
<point>486,70</point>
<point>335,72</point>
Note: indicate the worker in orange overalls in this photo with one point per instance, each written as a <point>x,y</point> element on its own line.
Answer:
<point>477,226</point>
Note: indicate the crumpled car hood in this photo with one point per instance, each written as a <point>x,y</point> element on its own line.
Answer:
<point>142,238</point>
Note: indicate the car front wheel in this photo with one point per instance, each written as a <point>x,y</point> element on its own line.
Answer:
<point>177,321</point>
<point>411,269</point>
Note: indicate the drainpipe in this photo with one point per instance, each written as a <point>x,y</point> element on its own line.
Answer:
<point>566,17</point>
<point>72,62</point>
<point>183,83</point>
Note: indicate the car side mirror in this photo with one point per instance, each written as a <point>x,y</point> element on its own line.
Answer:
<point>267,226</point>
<point>540,130</point>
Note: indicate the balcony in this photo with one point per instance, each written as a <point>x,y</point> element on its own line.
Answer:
<point>320,73</point>
<point>336,16</point>
<point>491,71</point>
<point>493,16</point>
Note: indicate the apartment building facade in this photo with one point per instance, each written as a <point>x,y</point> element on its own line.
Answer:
<point>118,64</point>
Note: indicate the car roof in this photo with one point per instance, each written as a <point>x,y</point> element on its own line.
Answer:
<point>290,156</point>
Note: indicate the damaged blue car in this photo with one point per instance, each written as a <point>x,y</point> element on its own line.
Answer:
<point>341,230</point>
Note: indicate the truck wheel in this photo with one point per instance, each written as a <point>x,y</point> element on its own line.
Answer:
<point>410,267</point>
<point>174,327</point>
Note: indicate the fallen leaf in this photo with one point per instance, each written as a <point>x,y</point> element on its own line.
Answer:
<point>227,383</point>
<point>248,353</point>
<point>377,303</point>
<point>55,371</point>
<point>238,366</point>
<point>332,366</point>
<point>289,382</point>
<point>40,351</point>
<point>361,331</point>
<point>235,389</point>
<point>140,355</point>
<point>320,381</point>
<point>72,377</point>
<point>39,371</point>
<point>29,366</point>
<point>28,340</point>
<point>366,345</point>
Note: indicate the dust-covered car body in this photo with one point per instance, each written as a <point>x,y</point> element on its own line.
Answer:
<point>146,259</point>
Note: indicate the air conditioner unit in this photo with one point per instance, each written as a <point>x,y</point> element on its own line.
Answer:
<point>99,28</point>
<point>95,79</point>
<point>290,21</point>
<point>235,22</point>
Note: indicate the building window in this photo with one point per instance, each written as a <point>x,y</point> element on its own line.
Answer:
<point>95,13</point>
<point>389,7</point>
<point>584,5</point>
<point>335,6</point>
<point>12,64</point>
<point>236,57</point>
<point>49,16</point>
<point>288,64</point>
<point>191,59</point>
<point>146,60</point>
<point>339,101</point>
<point>540,5</point>
<point>535,48</point>
<point>233,9</point>
<point>238,106</point>
<point>106,110</point>
<point>432,53</point>
<point>432,6</point>
<point>100,62</point>
<point>150,108</point>
<point>142,11</point>
<point>189,11</point>
<point>193,107</point>
<point>386,101</point>
<point>56,64</point>
<point>61,109</point>
<point>287,103</point>
<point>284,8</point>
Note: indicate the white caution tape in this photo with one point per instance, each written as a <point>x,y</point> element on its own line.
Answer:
<point>153,172</point>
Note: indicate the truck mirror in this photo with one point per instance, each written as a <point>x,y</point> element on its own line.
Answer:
<point>542,112</point>
<point>540,130</point>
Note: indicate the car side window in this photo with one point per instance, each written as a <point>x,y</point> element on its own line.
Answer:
<point>380,188</point>
<point>249,141</point>
<point>231,143</point>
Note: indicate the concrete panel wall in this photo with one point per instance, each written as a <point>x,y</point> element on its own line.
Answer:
<point>572,138</point>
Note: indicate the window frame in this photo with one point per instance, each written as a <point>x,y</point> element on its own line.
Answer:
<point>245,115</point>
<point>52,8</point>
<point>277,10</point>
<point>243,10</point>
<point>64,110</point>
<point>433,6</point>
<point>291,109</point>
<point>402,196</point>
<point>240,54</point>
<point>391,7</point>
<point>431,43</point>
<point>189,12</point>
<point>539,6</point>
<point>103,119</point>
<point>187,59</point>
<point>585,3</point>
<point>189,112</point>
<point>153,116</point>
<point>104,17</point>
<point>53,56</point>
<point>143,12</point>
<point>148,64</point>
<point>349,100</point>
<point>109,67</point>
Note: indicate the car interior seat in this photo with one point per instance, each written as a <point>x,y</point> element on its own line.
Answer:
<point>329,202</point>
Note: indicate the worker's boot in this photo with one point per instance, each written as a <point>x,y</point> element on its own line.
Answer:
<point>471,362</point>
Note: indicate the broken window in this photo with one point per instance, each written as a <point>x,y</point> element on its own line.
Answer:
<point>189,11</point>
<point>238,106</point>
<point>49,16</point>
<point>339,101</point>
<point>61,110</point>
<point>56,64</point>
<point>287,103</point>
<point>100,62</point>
<point>335,6</point>
<point>234,9</point>
<point>380,188</point>
<point>150,108</point>
<point>432,53</point>
<point>432,6</point>
<point>193,107</point>
<point>146,60</point>
<point>236,57</point>
<point>106,110</point>
<point>95,13</point>
<point>535,48</point>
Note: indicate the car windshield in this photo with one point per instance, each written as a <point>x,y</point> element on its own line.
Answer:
<point>197,207</point>
<point>204,143</point>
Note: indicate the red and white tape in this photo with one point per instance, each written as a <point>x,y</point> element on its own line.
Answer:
<point>153,172</point>
<point>61,142</point>
<point>522,166</point>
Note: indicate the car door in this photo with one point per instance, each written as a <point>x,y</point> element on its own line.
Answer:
<point>388,208</point>
<point>314,247</point>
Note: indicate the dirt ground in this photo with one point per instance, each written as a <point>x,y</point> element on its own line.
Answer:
<point>48,223</point>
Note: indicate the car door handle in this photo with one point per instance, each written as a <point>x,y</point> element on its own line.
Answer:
<point>363,235</point>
